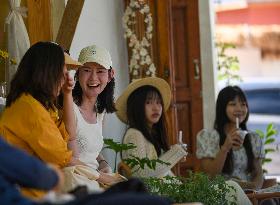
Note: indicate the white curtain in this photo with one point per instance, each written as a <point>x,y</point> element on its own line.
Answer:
<point>18,40</point>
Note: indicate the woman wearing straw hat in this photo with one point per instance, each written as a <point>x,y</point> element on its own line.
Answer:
<point>142,107</point>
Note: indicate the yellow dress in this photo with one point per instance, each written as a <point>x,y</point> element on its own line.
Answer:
<point>28,125</point>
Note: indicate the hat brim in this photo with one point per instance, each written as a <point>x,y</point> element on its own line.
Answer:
<point>161,85</point>
<point>71,63</point>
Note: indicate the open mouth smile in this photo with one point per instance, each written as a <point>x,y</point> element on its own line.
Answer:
<point>93,85</point>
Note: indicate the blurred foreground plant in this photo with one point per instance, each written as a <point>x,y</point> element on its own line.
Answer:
<point>197,187</point>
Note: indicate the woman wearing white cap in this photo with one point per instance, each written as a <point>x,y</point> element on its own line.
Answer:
<point>93,96</point>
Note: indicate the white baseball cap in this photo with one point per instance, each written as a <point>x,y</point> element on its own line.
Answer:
<point>96,54</point>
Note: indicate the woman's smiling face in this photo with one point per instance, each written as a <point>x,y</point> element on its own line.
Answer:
<point>236,108</point>
<point>93,79</point>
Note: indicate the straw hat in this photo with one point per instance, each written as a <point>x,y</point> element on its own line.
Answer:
<point>161,85</point>
<point>70,62</point>
<point>96,54</point>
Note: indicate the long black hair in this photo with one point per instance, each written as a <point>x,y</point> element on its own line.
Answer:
<point>39,74</point>
<point>137,118</point>
<point>105,100</point>
<point>226,95</point>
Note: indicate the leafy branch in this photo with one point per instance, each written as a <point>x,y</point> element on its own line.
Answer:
<point>117,147</point>
<point>141,162</point>
<point>196,187</point>
<point>227,65</point>
<point>133,161</point>
<point>268,138</point>
<point>4,55</point>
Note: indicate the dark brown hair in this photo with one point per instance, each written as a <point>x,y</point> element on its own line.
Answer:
<point>227,94</point>
<point>137,118</point>
<point>39,74</point>
<point>105,100</point>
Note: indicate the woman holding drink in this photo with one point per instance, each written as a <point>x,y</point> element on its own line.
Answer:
<point>230,149</point>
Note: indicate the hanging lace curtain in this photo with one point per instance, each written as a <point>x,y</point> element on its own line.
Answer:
<point>18,40</point>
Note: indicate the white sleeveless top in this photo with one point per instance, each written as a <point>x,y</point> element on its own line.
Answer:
<point>89,138</point>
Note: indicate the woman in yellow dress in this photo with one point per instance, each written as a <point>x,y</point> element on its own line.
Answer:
<point>30,120</point>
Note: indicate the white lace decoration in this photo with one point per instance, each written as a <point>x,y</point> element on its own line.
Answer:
<point>140,57</point>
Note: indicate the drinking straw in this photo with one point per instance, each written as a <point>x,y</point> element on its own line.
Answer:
<point>180,137</point>
<point>237,123</point>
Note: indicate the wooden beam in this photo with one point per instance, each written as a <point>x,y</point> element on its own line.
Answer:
<point>69,23</point>
<point>39,21</point>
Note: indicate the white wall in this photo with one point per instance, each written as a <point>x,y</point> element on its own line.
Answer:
<point>100,23</point>
<point>208,61</point>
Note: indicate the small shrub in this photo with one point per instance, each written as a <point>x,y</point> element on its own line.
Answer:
<point>197,187</point>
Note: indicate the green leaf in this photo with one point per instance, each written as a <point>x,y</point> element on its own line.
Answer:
<point>269,141</point>
<point>260,133</point>
<point>269,127</point>
<point>134,161</point>
<point>269,150</point>
<point>117,146</point>
<point>271,133</point>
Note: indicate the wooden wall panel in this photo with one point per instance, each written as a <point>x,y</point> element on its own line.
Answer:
<point>39,20</point>
<point>180,44</point>
<point>69,23</point>
<point>188,99</point>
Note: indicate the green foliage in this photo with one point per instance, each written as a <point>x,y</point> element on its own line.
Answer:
<point>4,55</point>
<point>228,66</point>
<point>197,187</point>
<point>268,138</point>
<point>141,162</point>
<point>117,147</point>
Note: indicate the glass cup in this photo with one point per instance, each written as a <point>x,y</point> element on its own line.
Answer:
<point>242,134</point>
<point>3,89</point>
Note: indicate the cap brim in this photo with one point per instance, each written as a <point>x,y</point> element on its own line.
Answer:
<point>71,63</point>
<point>160,84</point>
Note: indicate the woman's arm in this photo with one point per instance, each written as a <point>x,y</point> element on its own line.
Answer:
<point>257,175</point>
<point>214,165</point>
<point>69,116</point>
<point>103,164</point>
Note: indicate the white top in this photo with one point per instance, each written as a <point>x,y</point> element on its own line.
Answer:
<point>146,149</point>
<point>208,146</point>
<point>89,138</point>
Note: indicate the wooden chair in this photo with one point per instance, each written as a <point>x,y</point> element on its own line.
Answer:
<point>269,182</point>
<point>256,197</point>
<point>124,169</point>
